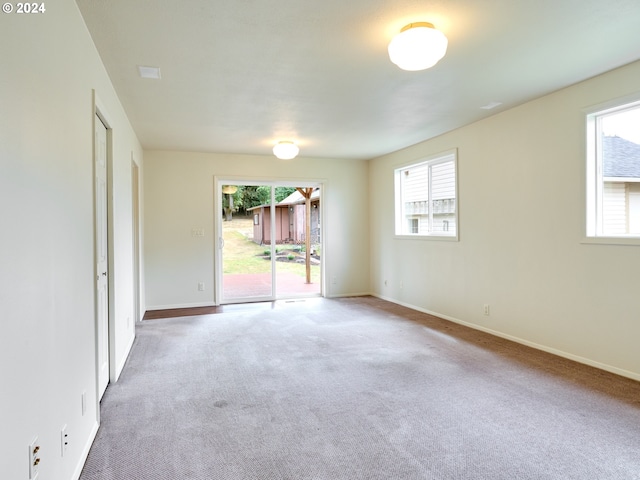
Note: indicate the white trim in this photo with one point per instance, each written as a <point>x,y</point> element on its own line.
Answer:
<point>629,241</point>
<point>180,305</point>
<point>621,179</point>
<point>100,110</point>
<point>613,105</point>
<point>218,182</point>
<point>554,351</point>
<point>593,179</point>
<point>433,236</point>
<point>85,451</point>
<point>137,240</point>
<point>217,241</point>
<point>125,357</point>
<point>399,217</point>
<point>344,295</point>
<point>273,220</point>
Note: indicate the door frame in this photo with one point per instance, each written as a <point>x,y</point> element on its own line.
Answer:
<point>101,112</point>
<point>218,182</point>
<point>135,205</point>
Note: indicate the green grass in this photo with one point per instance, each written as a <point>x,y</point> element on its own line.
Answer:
<point>241,255</point>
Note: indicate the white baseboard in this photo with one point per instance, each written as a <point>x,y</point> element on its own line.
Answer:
<point>343,295</point>
<point>85,451</point>
<point>120,365</point>
<point>544,348</point>
<point>181,305</point>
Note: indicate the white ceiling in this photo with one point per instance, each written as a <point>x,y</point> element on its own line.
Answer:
<point>238,75</point>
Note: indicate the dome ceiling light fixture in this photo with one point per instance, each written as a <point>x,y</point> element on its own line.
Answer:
<point>418,46</point>
<point>285,150</point>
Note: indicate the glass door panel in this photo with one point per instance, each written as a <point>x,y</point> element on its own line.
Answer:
<point>247,272</point>
<point>297,274</point>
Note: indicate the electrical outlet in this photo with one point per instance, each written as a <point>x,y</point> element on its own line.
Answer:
<point>334,280</point>
<point>486,309</point>
<point>201,286</point>
<point>34,459</point>
<point>64,440</point>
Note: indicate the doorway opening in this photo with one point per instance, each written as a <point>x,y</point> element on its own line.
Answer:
<point>269,241</point>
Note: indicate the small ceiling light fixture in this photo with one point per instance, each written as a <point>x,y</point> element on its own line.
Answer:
<point>418,46</point>
<point>285,150</point>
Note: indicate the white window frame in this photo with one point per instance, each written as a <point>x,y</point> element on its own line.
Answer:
<point>400,215</point>
<point>594,185</point>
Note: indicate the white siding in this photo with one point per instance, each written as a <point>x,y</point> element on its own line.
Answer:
<point>614,209</point>
<point>633,191</point>
<point>415,181</point>
<point>443,180</point>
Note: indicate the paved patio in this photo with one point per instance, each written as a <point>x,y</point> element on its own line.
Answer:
<point>252,285</point>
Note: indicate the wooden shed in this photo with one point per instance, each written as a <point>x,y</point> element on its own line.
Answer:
<point>289,218</point>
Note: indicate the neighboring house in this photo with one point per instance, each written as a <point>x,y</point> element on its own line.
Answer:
<point>416,198</point>
<point>621,186</point>
<point>289,218</point>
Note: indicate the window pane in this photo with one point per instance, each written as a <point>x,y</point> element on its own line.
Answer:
<point>443,185</point>
<point>426,198</point>
<point>615,208</point>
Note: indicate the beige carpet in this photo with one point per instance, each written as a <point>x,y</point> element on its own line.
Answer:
<point>357,388</point>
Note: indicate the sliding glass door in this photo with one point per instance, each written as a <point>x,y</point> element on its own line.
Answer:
<point>245,260</point>
<point>269,242</point>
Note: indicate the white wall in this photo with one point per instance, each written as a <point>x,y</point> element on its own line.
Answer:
<point>522,210</point>
<point>47,344</point>
<point>179,189</point>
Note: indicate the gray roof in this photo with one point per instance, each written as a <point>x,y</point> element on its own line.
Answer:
<point>620,158</point>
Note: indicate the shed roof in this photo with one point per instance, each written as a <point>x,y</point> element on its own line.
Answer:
<point>620,158</point>
<point>296,197</point>
<point>293,199</point>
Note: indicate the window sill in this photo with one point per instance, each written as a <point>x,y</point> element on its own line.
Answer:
<point>445,238</point>
<point>611,240</point>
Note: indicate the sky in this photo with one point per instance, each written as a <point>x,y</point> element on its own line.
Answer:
<point>625,124</point>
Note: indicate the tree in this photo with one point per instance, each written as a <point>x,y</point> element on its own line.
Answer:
<point>228,194</point>
<point>249,196</point>
<point>283,192</point>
